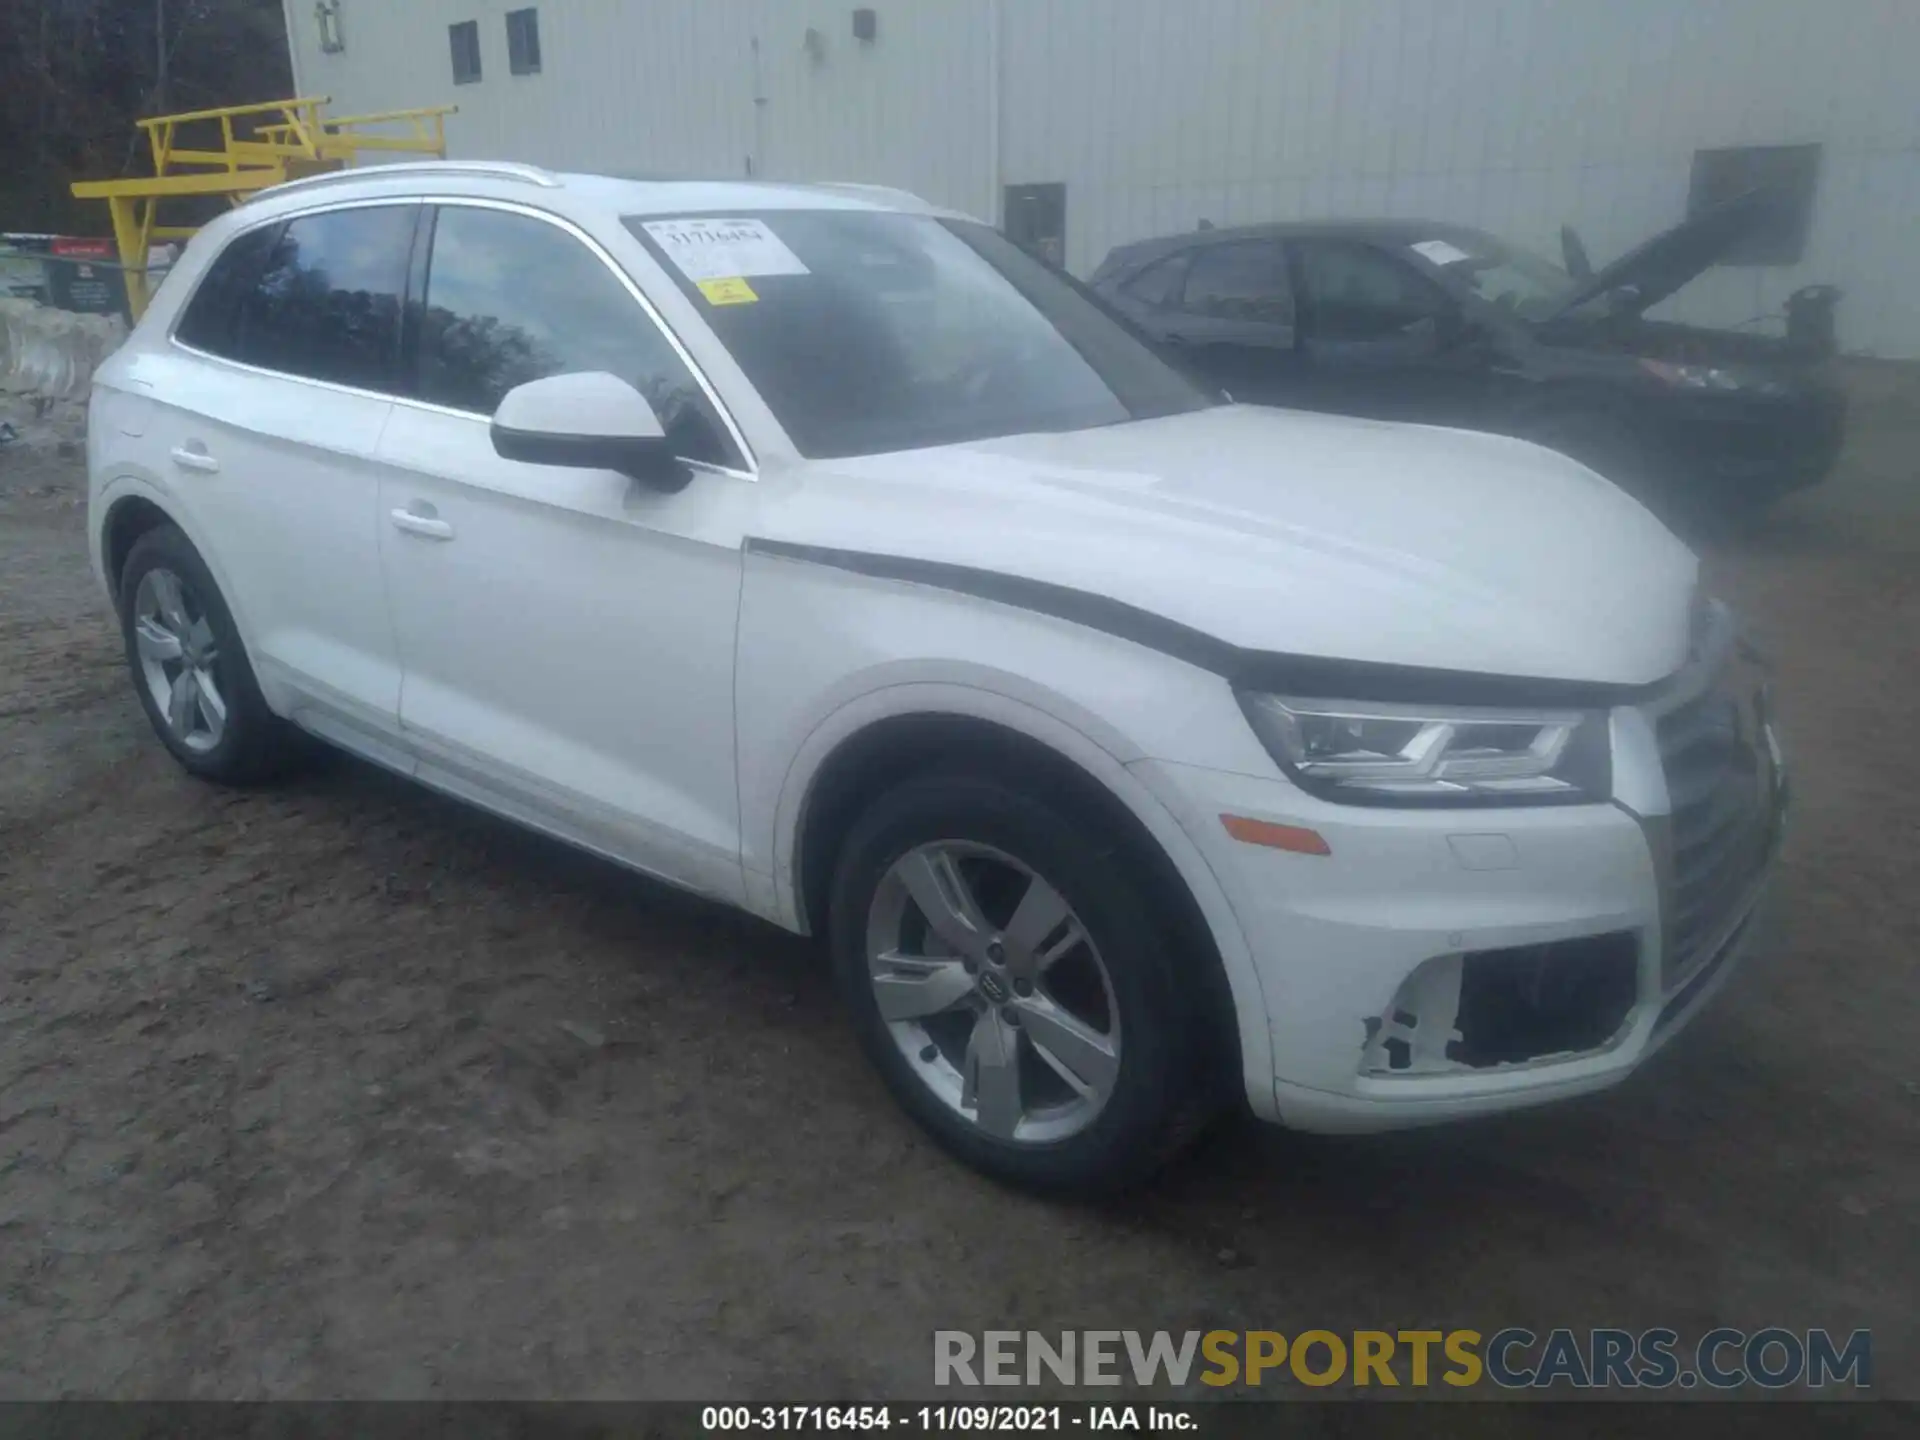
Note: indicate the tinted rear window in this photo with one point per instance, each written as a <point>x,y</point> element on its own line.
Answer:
<point>327,303</point>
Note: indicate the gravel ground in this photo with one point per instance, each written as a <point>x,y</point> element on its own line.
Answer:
<point>341,1090</point>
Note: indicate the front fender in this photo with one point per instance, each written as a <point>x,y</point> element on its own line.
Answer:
<point>1101,761</point>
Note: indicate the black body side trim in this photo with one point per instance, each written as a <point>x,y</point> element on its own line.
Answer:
<point>1096,612</point>
<point>1259,670</point>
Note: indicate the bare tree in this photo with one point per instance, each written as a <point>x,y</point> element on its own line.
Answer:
<point>76,74</point>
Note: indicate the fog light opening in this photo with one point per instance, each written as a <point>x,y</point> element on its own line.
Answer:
<point>1484,1009</point>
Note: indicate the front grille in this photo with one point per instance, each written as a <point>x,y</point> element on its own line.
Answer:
<point>1720,779</point>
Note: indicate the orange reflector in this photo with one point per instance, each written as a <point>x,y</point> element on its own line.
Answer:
<point>1296,838</point>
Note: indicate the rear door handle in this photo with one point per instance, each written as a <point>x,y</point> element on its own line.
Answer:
<point>191,457</point>
<point>423,525</point>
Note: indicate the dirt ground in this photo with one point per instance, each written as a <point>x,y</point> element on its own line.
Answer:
<point>342,1090</point>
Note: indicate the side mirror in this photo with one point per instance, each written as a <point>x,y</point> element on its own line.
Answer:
<point>588,421</point>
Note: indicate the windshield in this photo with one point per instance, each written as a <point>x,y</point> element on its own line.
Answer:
<point>1500,274</point>
<point>868,331</point>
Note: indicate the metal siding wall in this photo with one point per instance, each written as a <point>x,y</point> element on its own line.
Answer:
<point>661,85</point>
<point>668,85</point>
<point>1516,115</point>
<point>909,109</point>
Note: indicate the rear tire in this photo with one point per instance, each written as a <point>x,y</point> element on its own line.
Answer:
<point>1104,1042</point>
<point>192,673</point>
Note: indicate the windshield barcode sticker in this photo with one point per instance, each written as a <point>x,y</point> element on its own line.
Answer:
<point>724,249</point>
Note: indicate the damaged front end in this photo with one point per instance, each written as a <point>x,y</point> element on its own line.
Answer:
<point>1493,1009</point>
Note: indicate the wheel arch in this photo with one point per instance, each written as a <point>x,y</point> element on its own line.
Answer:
<point>130,506</point>
<point>128,518</point>
<point>865,750</point>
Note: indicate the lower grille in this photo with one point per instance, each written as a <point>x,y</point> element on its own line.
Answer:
<point>1721,780</point>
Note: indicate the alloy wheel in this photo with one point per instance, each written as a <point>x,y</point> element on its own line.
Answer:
<point>179,659</point>
<point>994,991</point>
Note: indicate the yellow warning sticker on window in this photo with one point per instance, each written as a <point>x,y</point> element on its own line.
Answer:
<point>730,291</point>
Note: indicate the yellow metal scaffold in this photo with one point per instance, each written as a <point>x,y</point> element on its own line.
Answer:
<point>260,145</point>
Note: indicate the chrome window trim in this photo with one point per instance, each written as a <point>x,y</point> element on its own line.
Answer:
<point>476,202</point>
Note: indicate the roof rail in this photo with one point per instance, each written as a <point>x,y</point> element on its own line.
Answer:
<point>480,169</point>
<point>858,190</point>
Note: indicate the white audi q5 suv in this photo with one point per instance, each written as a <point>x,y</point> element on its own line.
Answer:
<point>820,551</point>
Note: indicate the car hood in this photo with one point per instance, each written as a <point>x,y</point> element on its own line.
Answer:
<point>1656,268</point>
<point>1290,533</point>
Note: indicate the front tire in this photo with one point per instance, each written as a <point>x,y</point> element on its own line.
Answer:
<point>191,671</point>
<point>1015,988</point>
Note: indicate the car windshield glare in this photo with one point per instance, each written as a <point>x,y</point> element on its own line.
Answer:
<point>871,331</point>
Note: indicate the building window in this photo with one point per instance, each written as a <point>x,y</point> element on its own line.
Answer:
<point>465,40</point>
<point>1785,174</point>
<point>327,16</point>
<point>523,41</point>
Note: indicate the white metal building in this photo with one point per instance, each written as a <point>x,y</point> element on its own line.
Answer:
<point>1513,115</point>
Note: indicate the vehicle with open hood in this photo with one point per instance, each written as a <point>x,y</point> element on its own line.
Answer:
<point>1446,325</point>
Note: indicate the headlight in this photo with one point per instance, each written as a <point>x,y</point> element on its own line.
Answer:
<point>1378,754</point>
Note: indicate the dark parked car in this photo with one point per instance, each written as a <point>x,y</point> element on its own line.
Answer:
<point>1407,320</point>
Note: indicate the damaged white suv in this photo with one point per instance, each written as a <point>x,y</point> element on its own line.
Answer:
<point>823,553</point>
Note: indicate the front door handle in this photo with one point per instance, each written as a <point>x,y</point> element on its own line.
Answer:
<point>192,457</point>
<point>427,526</point>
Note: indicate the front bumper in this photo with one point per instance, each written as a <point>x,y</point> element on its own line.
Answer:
<point>1361,952</point>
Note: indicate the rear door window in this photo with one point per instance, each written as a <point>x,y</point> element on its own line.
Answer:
<point>207,322</point>
<point>1241,280</point>
<point>511,299</point>
<point>326,305</point>
<point>1159,284</point>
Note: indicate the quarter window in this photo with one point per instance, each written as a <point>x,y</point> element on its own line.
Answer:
<point>511,299</point>
<point>1245,280</point>
<point>326,304</point>
<point>207,322</point>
